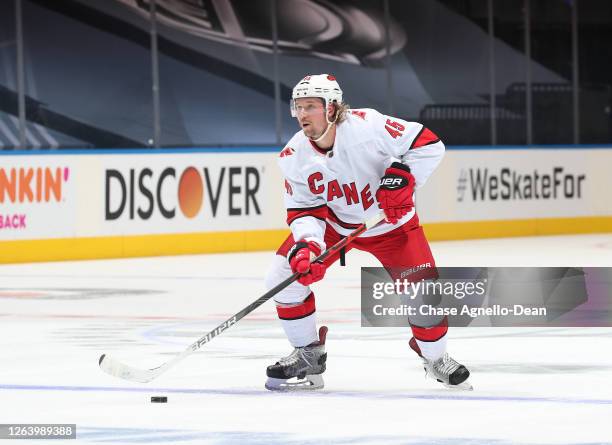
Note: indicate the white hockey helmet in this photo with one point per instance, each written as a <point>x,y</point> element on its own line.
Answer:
<point>323,86</point>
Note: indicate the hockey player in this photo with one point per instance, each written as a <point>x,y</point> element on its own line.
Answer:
<point>340,170</point>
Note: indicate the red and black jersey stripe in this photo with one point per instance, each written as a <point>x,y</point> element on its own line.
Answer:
<point>334,218</point>
<point>424,137</point>
<point>319,212</point>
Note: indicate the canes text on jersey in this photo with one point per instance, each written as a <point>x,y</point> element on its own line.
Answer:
<point>335,190</point>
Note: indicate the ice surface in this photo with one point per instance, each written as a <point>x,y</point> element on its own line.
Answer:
<point>532,385</point>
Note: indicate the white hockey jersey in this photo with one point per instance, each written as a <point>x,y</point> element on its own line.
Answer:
<point>339,186</point>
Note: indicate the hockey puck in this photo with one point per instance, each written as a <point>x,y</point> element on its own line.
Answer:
<point>159,399</point>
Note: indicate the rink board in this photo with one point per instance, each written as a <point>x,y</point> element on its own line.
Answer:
<point>112,203</point>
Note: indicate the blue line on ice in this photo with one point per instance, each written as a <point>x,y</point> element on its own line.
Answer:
<point>157,435</point>
<point>322,394</point>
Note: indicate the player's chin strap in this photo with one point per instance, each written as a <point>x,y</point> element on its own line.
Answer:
<point>329,125</point>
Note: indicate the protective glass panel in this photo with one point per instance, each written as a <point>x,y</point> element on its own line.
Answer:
<point>551,51</point>
<point>88,74</point>
<point>9,123</point>
<point>216,72</point>
<point>510,72</point>
<point>595,101</point>
<point>441,73</point>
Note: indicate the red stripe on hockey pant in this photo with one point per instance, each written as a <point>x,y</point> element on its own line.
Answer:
<point>296,311</point>
<point>319,212</point>
<point>426,137</point>
<point>433,333</point>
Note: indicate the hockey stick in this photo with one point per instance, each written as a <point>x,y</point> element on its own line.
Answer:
<point>123,371</point>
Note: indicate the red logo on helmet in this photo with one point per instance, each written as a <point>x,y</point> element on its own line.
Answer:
<point>331,77</point>
<point>306,78</point>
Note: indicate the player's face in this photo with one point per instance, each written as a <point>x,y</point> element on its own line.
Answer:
<point>310,113</point>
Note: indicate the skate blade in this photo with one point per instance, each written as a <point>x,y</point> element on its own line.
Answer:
<point>463,386</point>
<point>309,383</point>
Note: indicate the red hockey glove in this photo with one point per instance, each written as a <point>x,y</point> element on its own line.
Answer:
<point>300,257</point>
<point>394,194</point>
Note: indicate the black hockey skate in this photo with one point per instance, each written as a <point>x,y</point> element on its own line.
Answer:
<point>300,370</point>
<point>445,370</point>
